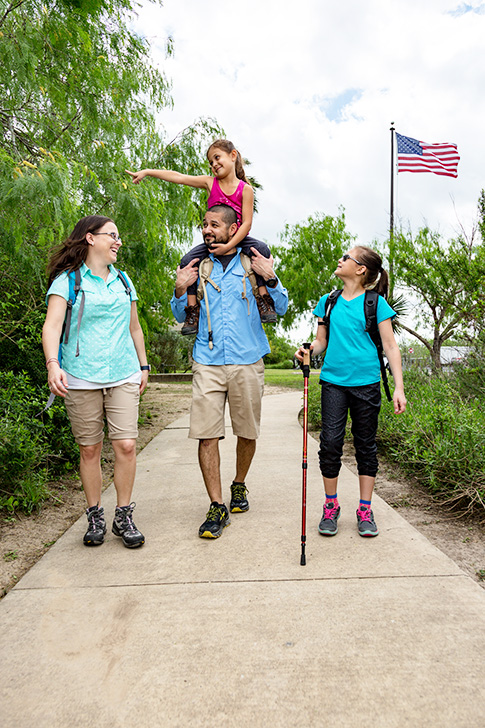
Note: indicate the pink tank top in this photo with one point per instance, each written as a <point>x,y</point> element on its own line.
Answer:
<point>218,197</point>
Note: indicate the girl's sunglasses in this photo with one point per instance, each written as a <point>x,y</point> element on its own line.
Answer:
<point>347,257</point>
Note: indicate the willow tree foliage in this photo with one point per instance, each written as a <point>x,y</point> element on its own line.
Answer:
<point>79,97</point>
<point>307,260</point>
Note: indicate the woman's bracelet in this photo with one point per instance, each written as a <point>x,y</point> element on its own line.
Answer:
<point>53,358</point>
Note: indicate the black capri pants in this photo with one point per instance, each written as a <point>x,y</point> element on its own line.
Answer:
<point>363,404</point>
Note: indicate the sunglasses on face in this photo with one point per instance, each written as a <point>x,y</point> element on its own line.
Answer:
<point>349,257</point>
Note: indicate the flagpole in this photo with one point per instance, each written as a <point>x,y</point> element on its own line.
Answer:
<point>391,219</point>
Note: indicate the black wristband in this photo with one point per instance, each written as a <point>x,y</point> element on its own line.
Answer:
<point>146,368</point>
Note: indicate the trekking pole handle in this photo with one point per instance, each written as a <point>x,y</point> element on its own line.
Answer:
<point>306,360</point>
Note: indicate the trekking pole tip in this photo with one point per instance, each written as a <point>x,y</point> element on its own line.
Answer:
<point>303,560</point>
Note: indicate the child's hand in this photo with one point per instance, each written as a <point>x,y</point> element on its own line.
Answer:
<point>137,176</point>
<point>399,401</point>
<point>220,248</point>
<point>299,352</point>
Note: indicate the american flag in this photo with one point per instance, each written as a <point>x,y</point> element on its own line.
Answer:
<point>415,156</point>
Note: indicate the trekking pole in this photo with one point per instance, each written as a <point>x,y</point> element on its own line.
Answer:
<point>306,374</point>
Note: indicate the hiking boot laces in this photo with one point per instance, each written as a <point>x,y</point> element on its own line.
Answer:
<point>124,526</point>
<point>94,536</point>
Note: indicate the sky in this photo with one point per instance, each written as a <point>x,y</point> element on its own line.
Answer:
<point>307,92</point>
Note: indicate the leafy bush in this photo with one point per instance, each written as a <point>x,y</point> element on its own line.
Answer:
<point>32,448</point>
<point>285,364</point>
<point>169,350</point>
<point>440,439</point>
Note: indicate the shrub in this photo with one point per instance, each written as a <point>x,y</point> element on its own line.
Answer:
<point>440,439</point>
<point>32,448</point>
<point>285,364</point>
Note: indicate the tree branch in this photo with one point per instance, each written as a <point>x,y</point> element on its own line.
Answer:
<point>418,336</point>
<point>10,9</point>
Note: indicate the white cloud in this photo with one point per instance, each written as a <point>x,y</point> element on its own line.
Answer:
<point>307,91</point>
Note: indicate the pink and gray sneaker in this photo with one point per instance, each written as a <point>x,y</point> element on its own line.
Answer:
<point>365,522</point>
<point>328,524</point>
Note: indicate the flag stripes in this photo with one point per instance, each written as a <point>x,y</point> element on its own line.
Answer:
<point>416,156</point>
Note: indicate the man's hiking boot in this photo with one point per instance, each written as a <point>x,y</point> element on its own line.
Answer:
<point>217,519</point>
<point>124,526</point>
<point>191,323</point>
<point>266,309</point>
<point>94,536</point>
<point>328,524</point>
<point>239,502</point>
<point>365,522</point>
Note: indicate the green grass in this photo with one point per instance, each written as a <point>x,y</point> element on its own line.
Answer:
<point>292,378</point>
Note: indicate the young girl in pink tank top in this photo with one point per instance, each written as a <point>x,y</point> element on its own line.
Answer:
<point>228,186</point>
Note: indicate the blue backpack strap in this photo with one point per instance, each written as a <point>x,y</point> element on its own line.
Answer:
<point>371,300</point>
<point>74,288</point>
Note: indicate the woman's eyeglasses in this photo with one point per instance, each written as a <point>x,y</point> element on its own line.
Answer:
<point>347,257</point>
<point>115,236</point>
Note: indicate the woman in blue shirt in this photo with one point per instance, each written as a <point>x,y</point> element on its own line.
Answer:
<point>104,366</point>
<point>350,381</point>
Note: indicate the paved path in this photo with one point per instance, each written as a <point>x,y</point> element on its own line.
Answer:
<point>234,632</point>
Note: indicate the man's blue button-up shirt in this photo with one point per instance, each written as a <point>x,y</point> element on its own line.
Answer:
<point>238,336</point>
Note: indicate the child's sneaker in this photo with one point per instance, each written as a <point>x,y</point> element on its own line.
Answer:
<point>217,519</point>
<point>191,323</point>
<point>239,502</point>
<point>94,536</point>
<point>328,525</point>
<point>266,309</point>
<point>124,526</point>
<point>365,522</point>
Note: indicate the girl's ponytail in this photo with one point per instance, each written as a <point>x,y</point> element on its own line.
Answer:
<point>375,277</point>
<point>229,147</point>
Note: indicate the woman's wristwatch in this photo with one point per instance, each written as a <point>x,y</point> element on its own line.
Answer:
<point>272,282</point>
<point>146,368</point>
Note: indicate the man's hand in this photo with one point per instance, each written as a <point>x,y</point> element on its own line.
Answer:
<point>262,266</point>
<point>185,277</point>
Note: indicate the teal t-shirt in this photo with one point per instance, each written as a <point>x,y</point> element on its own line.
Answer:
<point>351,358</point>
<point>106,350</point>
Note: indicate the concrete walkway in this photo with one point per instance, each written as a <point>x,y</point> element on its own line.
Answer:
<point>234,632</point>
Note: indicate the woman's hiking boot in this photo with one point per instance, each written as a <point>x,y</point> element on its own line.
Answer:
<point>239,502</point>
<point>191,323</point>
<point>94,536</point>
<point>266,309</point>
<point>217,518</point>
<point>124,526</point>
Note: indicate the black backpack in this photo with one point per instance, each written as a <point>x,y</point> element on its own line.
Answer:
<point>371,326</point>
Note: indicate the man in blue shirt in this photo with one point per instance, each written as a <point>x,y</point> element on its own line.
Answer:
<point>228,360</point>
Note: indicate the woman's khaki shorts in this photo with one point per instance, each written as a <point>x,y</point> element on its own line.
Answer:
<point>241,385</point>
<point>86,409</point>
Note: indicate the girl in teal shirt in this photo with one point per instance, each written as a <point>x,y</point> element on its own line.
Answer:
<point>350,379</point>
